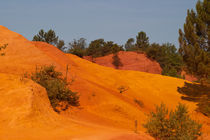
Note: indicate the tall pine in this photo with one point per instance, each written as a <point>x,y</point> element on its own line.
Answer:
<point>195,40</point>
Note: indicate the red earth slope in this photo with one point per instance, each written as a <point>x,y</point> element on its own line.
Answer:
<point>130,60</point>
<point>134,61</point>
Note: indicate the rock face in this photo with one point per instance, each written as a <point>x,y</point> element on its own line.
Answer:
<point>130,61</point>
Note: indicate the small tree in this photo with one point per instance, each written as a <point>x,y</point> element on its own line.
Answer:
<point>142,41</point>
<point>49,37</point>
<point>78,47</point>
<point>129,45</point>
<point>3,47</point>
<point>95,48</point>
<point>60,96</point>
<point>116,61</point>
<point>61,45</point>
<point>176,125</point>
<point>99,48</point>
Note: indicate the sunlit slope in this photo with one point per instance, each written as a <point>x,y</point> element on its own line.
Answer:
<point>21,55</point>
<point>25,110</point>
<point>98,86</point>
<point>100,94</point>
<point>100,97</point>
<point>25,113</point>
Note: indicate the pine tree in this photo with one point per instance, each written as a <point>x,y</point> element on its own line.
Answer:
<point>195,40</point>
<point>78,47</point>
<point>142,41</point>
<point>49,37</point>
<point>129,45</point>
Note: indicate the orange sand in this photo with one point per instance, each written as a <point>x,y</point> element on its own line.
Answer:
<point>105,113</point>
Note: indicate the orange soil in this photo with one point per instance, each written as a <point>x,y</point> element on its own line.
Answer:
<point>130,60</point>
<point>134,61</point>
<point>105,113</point>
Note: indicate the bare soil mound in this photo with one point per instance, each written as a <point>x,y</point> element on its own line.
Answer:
<point>130,61</point>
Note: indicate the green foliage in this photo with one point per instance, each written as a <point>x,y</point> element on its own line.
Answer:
<point>168,58</point>
<point>59,94</point>
<point>49,37</point>
<point>78,47</point>
<point>129,45</point>
<point>99,48</point>
<point>95,48</point>
<point>142,41</point>
<point>3,47</point>
<point>116,61</point>
<point>195,40</point>
<point>166,55</point>
<point>60,45</point>
<point>176,125</point>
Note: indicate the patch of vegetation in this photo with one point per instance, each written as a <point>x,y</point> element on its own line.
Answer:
<point>176,125</point>
<point>168,58</point>
<point>199,93</point>
<point>60,96</point>
<point>166,54</point>
<point>116,61</point>
<point>78,47</point>
<point>194,40</point>
<point>99,47</point>
<point>3,47</point>
<point>51,38</point>
<point>139,102</point>
<point>122,89</point>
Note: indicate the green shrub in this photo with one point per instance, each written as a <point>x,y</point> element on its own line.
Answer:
<point>168,58</point>
<point>176,125</point>
<point>139,102</point>
<point>59,94</point>
<point>99,47</point>
<point>122,89</point>
<point>116,61</point>
<point>3,47</point>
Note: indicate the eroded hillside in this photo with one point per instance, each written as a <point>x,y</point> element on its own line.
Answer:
<point>104,109</point>
<point>130,61</point>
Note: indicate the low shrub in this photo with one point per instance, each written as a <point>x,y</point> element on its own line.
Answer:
<point>139,102</point>
<point>176,125</point>
<point>60,96</point>
<point>3,47</point>
<point>116,61</point>
<point>122,89</point>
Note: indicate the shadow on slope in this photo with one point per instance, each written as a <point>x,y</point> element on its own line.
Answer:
<point>197,93</point>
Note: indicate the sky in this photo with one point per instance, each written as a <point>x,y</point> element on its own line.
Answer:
<point>113,20</point>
